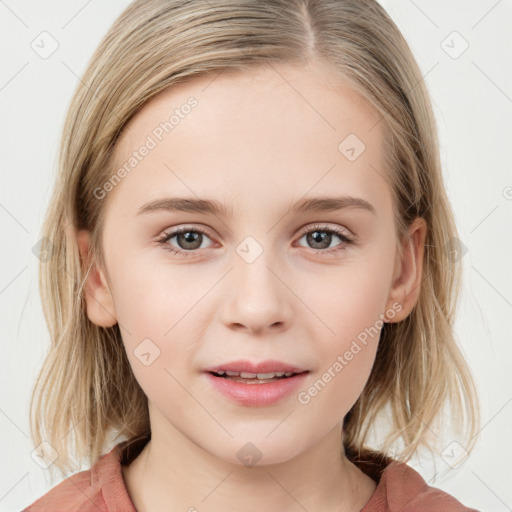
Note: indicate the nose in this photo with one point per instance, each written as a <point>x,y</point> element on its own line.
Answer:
<point>257,298</point>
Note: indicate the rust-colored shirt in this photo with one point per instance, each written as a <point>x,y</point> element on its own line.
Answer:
<point>102,489</point>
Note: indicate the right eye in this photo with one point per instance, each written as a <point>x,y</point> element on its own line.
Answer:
<point>188,240</point>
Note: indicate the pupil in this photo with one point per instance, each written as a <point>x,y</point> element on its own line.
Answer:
<point>319,237</point>
<point>189,237</point>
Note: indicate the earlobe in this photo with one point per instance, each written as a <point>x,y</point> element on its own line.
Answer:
<point>407,282</point>
<point>98,298</point>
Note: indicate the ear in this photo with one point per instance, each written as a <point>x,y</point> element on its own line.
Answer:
<point>99,300</point>
<point>409,273</point>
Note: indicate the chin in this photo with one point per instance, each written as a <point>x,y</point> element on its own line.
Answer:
<point>258,452</point>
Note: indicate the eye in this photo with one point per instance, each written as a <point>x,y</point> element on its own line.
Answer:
<point>320,237</point>
<point>188,240</point>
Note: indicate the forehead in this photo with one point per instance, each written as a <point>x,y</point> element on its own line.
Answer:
<point>251,135</point>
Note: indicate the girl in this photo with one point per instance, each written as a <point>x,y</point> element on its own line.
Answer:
<point>253,268</point>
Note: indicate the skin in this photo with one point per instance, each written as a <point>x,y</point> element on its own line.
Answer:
<point>258,142</point>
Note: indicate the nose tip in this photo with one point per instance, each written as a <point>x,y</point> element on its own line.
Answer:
<point>258,300</point>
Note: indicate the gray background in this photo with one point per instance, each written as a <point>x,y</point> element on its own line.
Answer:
<point>472,97</point>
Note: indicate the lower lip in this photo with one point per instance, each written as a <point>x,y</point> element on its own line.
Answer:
<point>257,395</point>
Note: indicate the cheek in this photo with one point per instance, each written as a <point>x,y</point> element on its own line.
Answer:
<point>156,308</point>
<point>351,307</point>
<point>350,300</point>
<point>150,299</point>
<point>347,357</point>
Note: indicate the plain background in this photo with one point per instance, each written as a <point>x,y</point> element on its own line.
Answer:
<point>472,97</point>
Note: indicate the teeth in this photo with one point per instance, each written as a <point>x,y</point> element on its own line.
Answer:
<point>248,375</point>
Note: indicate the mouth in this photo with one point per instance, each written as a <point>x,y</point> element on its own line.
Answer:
<point>254,378</point>
<point>256,389</point>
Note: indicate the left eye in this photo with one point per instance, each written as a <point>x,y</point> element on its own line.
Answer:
<point>322,236</point>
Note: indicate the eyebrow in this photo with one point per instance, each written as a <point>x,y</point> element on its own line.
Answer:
<point>208,206</point>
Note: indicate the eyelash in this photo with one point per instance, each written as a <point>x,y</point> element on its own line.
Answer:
<point>317,227</point>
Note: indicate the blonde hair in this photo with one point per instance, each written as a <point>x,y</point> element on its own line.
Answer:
<point>86,386</point>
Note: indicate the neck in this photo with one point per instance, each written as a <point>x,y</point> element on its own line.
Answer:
<point>174,473</point>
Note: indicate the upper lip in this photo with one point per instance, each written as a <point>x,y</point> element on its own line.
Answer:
<point>261,367</point>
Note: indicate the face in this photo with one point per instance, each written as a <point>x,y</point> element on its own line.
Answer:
<point>259,278</point>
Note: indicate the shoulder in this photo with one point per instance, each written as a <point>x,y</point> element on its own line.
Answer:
<point>403,489</point>
<point>99,489</point>
<point>76,492</point>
